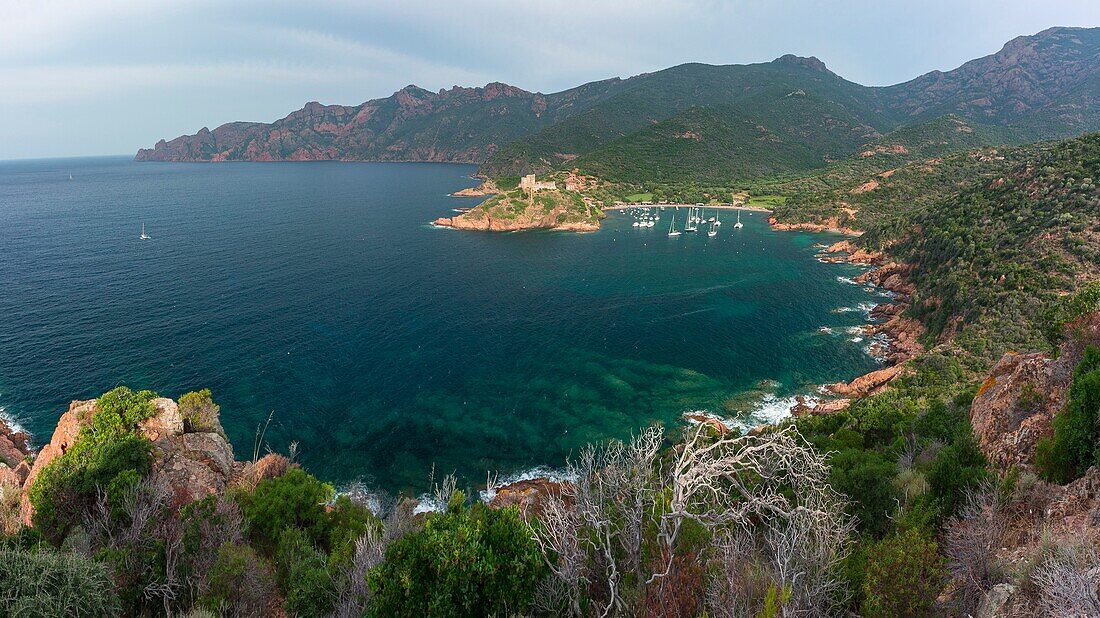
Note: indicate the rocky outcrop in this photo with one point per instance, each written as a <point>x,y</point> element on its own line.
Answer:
<point>191,465</point>
<point>1016,404</point>
<point>64,435</point>
<point>846,251</point>
<point>485,188</point>
<point>528,495</point>
<point>14,446</point>
<point>867,384</point>
<point>828,224</point>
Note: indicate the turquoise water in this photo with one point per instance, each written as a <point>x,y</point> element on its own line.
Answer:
<point>384,345</point>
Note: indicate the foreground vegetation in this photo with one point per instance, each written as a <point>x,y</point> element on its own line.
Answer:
<point>887,508</point>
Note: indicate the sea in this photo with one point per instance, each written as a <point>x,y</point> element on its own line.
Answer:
<point>388,351</point>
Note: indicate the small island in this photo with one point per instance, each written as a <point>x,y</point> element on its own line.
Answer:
<point>529,205</point>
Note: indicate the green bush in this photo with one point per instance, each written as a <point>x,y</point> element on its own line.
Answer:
<point>109,446</point>
<point>303,576</point>
<point>465,562</point>
<point>293,500</point>
<point>47,584</point>
<point>865,477</point>
<point>957,467</point>
<point>199,412</point>
<point>1075,443</point>
<point>904,575</point>
<point>347,521</point>
<point>1068,309</point>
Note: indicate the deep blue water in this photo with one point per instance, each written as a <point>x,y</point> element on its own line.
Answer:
<point>383,345</point>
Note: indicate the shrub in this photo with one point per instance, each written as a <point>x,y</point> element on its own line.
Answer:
<point>207,524</point>
<point>46,584</point>
<point>1075,443</point>
<point>294,500</point>
<point>904,574</point>
<point>199,412</point>
<point>467,561</point>
<point>241,582</point>
<point>109,446</point>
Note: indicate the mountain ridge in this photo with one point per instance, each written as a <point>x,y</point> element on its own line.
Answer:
<point>1041,86</point>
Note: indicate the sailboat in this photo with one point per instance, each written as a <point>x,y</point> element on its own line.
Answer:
<point>690,226</point>
<point>672,231</point>
<point>717,221</point>
<point>713,231</point>
<point>143,236</point>
<point>70,176</point>
<point>738,225</point>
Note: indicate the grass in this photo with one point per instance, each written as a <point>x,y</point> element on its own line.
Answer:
<point>766,201</point>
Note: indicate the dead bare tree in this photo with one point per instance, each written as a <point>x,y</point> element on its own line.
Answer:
<point>971,540</point>
<point>771,489</point>
<point>1069,582</point>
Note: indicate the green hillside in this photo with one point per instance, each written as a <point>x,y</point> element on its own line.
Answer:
<point>648,99</point>
<point>774,131</point>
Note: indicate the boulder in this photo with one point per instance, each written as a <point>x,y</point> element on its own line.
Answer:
<point>166,423</point>
<point>193,465</point>
<point>993,604</point>
<point>9,477</point>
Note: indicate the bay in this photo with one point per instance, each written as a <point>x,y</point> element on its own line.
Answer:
<point>319,294</point>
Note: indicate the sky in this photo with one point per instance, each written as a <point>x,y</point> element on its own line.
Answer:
<point>92,77</point>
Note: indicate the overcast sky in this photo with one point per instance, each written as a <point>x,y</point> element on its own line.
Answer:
<point>82,77</point>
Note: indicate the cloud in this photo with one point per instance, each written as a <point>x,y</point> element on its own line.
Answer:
<point>204,62</point>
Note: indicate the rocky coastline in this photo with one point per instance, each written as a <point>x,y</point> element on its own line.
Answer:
<point>486,188</point>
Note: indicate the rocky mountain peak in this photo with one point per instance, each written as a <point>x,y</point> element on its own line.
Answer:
<point>810,62</point>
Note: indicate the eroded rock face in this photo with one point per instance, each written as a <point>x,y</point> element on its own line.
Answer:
<point>193,465</point>
<point>1016,404</point>
<point>68,428</point>
<point>166,423</point>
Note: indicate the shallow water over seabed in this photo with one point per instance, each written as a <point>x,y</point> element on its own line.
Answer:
<point>384,345</point>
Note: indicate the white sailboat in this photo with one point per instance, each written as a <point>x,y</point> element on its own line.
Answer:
<point>738,225</point>
<point>143,236</point>
<point>717,221</point>
<point>672,231</point>
<point>713,231</point>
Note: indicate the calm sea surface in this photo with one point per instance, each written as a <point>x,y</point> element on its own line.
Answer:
<point>383,345</point>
